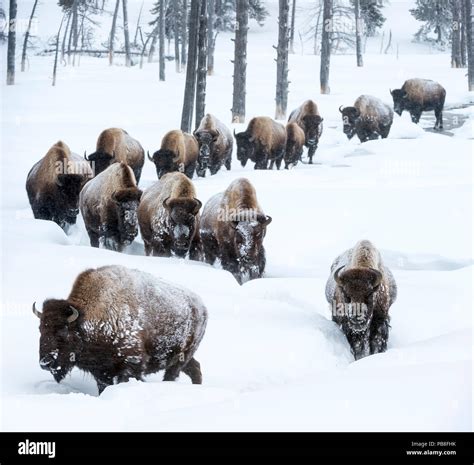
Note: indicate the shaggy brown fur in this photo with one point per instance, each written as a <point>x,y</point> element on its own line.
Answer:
<point>233,226</point>
<point>109,205</point>
<point>307,117</point>
<point>54,183</point>
<point>115,145</point>
<point>168,216</point>
<point>263,142</point>
<point>179,152</point>
<point>119,323</point>
<point>215,145</point>
<point>295,139</point>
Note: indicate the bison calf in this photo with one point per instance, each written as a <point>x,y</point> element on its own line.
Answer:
<point>109,207</point>
<point>54,183</point>
<point>360,291</point>
<point>233,226</point>
<point>119,323</point>
<point>168,216</point>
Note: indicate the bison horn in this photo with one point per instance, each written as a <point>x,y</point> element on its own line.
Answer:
<point>336,275</point>
<point>390,90</point>
<point>36,311</point>
<point>235,134</point>
<point>378,277</point>
<point>148,155</point>
<point>85,155</point>
<point>74,316</point>
<point>341,108</point>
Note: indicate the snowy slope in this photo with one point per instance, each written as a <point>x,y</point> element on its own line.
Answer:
<point>271,357</point>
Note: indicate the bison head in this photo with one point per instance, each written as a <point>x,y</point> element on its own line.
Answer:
<point>349,120</point>
<point>182,217</point>
<point>399,97</point>
<point>245,147</point>
<point>100,161</point>
<point>357,288</point>
<point>69,187</point>
<point>312,129</point>
<point>165,162</point>
<point>58,338</point>
<point>126,204</point>
<point>205,139</point>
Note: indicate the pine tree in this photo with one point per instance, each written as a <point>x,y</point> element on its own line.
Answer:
<point>436,17</point>
<point>371,15</point>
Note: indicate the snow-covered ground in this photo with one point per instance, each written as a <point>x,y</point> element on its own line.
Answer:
<point>271,357</point>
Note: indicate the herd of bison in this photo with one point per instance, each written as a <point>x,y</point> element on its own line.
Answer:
<point>119,323</point>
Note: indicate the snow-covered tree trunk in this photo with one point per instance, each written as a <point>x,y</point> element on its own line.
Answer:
<point>55,67</point>
<point>27,36</point>
<point>201,64</point>
<point>326,46</point>
<point>128,60</point>
<point>240,61</point>
<point>11,43</point>
<point>176,35</point>
<point>112,33</point>
<point>358,25</point>
<point>184,35</point>
<point>282,60</point>
<point>161,30</point>
<point>470,44</point>
<point>456,57</point>
<point>292,27</point>
<point>211,7</point>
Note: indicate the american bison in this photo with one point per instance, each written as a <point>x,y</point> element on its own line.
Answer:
<point>115,145</point>
<point>307,117</point>
<point>262,142</point>
<point>369,118</point>
<point>360,291</point>
<point>419,95</point>
<point>295,140</point>
<point>109,207</point>
<point>54,183</point>
<point>233,226</point>
<point>168,216</point>
<point>179,152</point>
<point>119,323</point>
<point>215,145</point>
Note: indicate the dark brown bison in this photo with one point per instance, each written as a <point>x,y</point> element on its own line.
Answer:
<point>119,323</point>
<point>109,207</point>
<point>54,183</point>
<point>215,145</point>
<point>418,95</point>
<point>262,142</point>
<point>168,216</point>
<point>115,145</point>
<point>308,118</point>
<point>369,118</point>
<point>360,291</point>
<point>295,140</point>
<point>233,226</point>
<point>179,152</point>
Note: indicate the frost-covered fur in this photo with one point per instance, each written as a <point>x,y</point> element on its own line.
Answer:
<point>360,281</point>
<point>54,183</point>
<point>215,145</point>
<point>109,207</point>
<point>168,216</point>
<point>295,140</point>
<point>369,119</point>
<point>129,324</point>
<point>307,117</point>
<point>233,227</point>
<point>115,145</point>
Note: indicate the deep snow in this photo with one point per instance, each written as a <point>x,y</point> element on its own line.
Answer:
<point>271,358</point>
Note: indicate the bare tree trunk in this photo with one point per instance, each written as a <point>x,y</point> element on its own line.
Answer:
<point>63,45</point>
<point>201,64</point>
<point>326,46</point>
<point>74,32</point>
<point>11,43</point>
<point>112,33</point>
<point>470,44</point>
<point>282,61</point>
<point>176,34</point>
<point>128,60</point>
<point>27,35</point>
<point>138,26</point>
<point>465,20</point>
<point>456,59</point>
<point>292,27</point>
<point>389,44</point>
<point>190,86</point>
<point>316,31</point>
<point>360,61</point>
<point>161,30</point>
<point>55,67</point>
<point>240,61</point>
<point>184,29</point>
<point>151,54</point>
<point>211,40</point>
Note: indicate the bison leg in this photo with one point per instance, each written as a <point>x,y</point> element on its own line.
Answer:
<point>359,344</point>
<point>215,167</point>
<point>311,151</point>
<point>379,336</point>
<point>415,116</point>
<point>439,118</point>
<point>228,161</point>
<point>102,383</point>
<point>189,170</point>
<point>193,370</point>
<point>94,238</point>
<point>195,251</point>
<point>210,248</point>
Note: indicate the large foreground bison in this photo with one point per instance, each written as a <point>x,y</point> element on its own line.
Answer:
<point>233,226</point>
<point>119,323</point>
<point>419,95</point>
<point>369,118</point>
<point>360,291</point>
<point>54,183</point>
<point>115,145</point>
<point>263,142</point>
<point>215,145</point>
<point>307,117</point>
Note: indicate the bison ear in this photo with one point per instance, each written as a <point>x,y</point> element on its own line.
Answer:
<point>356,112</point>
<point>215,135</point>
<point>377,278</point>
<point>233,224</point>
<point>197,206</point>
